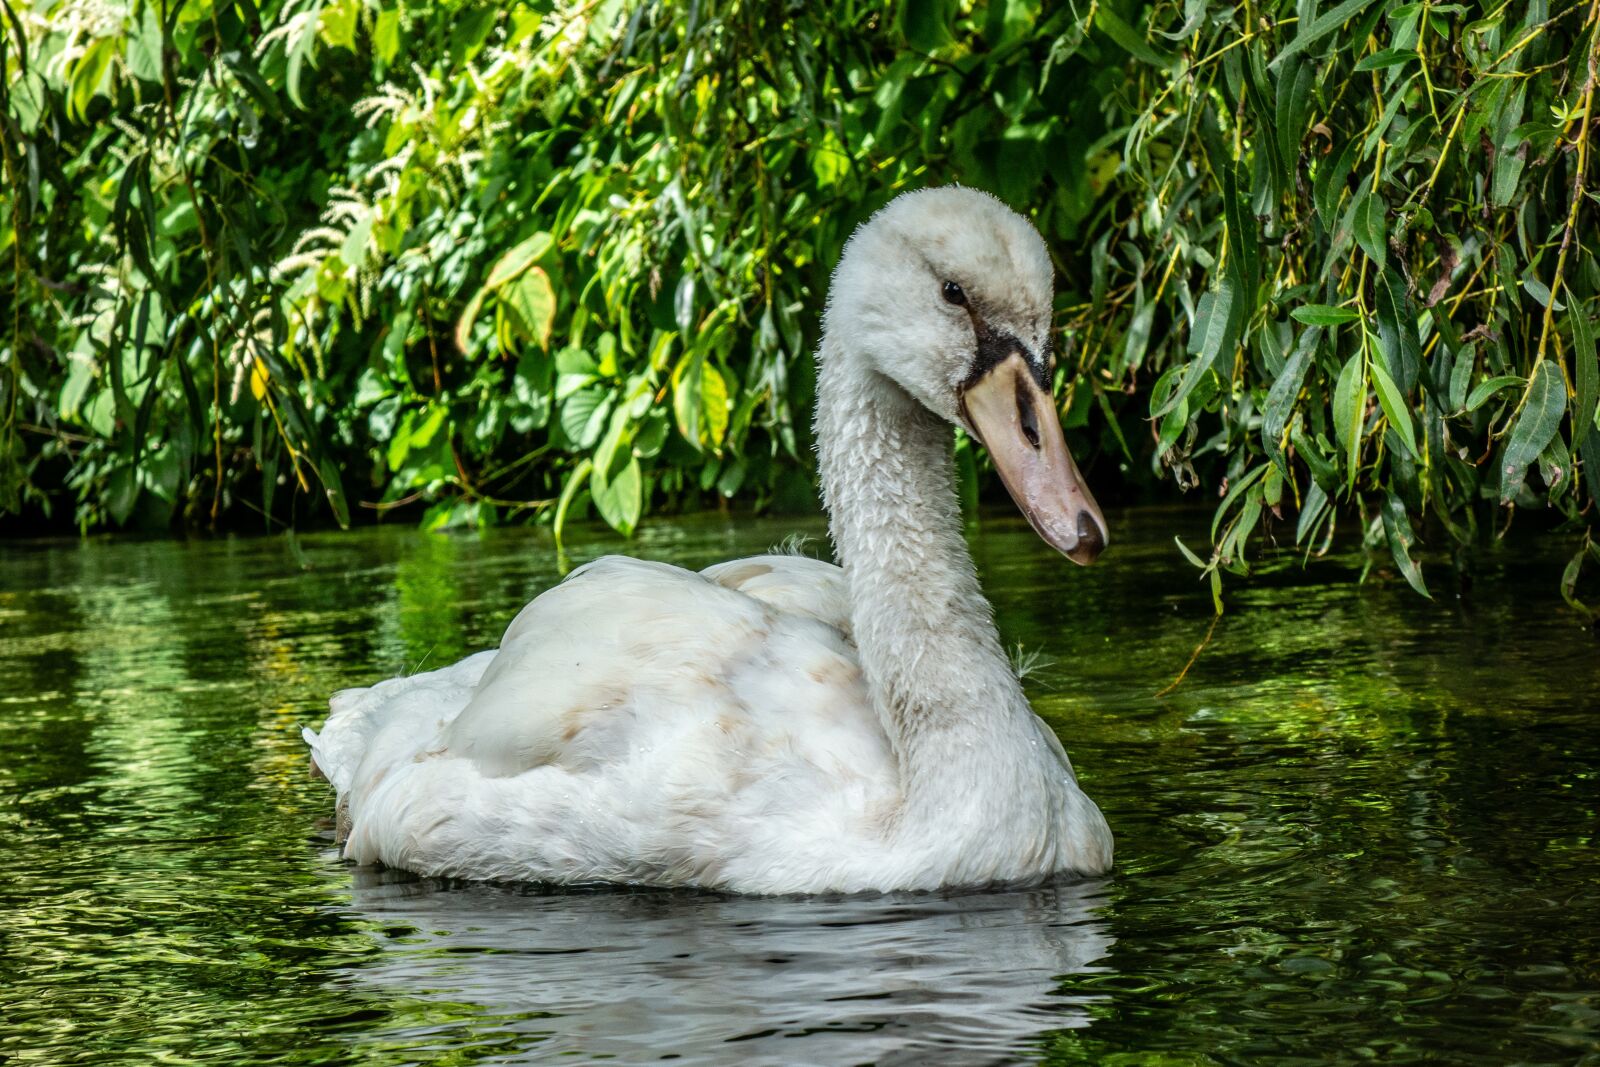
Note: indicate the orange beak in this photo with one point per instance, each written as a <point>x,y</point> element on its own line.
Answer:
<point>1015,419</point>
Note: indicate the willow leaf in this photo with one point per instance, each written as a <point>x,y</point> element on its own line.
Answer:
<point>1545,404</point>
<point>1395,408</point>
<point>1397,529</point>
<point>1320,27</point>
<point>1349,411</point>
<point>1216,331</point>
<point>1490,386</point>
<point>1585,373</point>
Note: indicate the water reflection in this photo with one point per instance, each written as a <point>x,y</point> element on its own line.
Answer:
<point>639,976</point>
<point>1365,826</point>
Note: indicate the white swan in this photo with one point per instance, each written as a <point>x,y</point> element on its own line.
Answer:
<point>778,724</point>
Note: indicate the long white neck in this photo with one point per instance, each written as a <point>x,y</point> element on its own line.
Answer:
<point>971,758</point>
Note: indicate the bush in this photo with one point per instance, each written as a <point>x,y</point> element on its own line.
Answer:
<point>503,259</point>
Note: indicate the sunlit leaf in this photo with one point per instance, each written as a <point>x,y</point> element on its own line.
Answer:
<point>1395,408</point>
<point>1324,315</point>
<point>620,499</point>
<point>1349,411</point>
<point>1129,39</point>
<point>1489,387</point>
<point>1391,57</point>
<point>519,259</point>
<point>532,299</point>
<point>1544,404</point>
<point>1215,332</point>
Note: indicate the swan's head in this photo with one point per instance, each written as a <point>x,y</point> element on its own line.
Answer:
<point>947,292</point>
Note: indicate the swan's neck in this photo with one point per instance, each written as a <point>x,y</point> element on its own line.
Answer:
<point>968,749</point>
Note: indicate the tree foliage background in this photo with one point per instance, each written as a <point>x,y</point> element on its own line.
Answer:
<point>511,258</point>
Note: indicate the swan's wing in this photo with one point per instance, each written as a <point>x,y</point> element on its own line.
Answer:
<point>639,722</point>
<point>623,639</point>
<point>795,584</point>
<point>389,719</point>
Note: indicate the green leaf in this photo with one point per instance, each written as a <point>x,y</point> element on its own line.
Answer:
<point>299,51</point>
<point>714,404</point>
<point>583,415</point>
<point>1349,411</point>
<point>1129,40</point>
<point>1332,174</point>
<point>1569,583</point>
<point>354,249</point>
<point>143,53</point>
<point>683,305</point>
<point>1324,314</point>
<point>464,324</point>
<point>1397,528</point>
<point>1539,291</point>
<point>576,361</point>
<point>122,492</point>
<point>1511,151</point>
<point>1591,461</point>
<point>386,34</point>
<point>520,258</point>
<point>700,403</point>
<point>1370,225</point>
<point>1585,373</point>
<point>1188,554</point>
<point>1395,409</point>
<point>1285,389</point>
<point>1235,491</point>
<point>1215,331</point>
<point>1320,27</point>
<point>1311,512</point>
<point>1294,107</point>
<point>1194,13</point>
<point>1397,329</point>
<point>1544,403</point>
<point>620,499</point>
<point>533,301</point>
<point>1461,377</point>
<point>87,74</point>
<point>333,486</point>
<point>1487,388</point>
<point>618,434</point>
<point>569,492</point>
<point>652,435</point>
<point>925,24</point>
<point>338,27</point>
<point>1391,57</point>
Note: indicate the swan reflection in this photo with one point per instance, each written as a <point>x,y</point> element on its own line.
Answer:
<point>647,975</point>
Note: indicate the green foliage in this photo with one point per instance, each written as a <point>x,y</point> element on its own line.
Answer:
<point>545,257</point>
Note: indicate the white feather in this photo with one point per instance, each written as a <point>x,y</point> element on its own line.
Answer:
<point>770,725</point>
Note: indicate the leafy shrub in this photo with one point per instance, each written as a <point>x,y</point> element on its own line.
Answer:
<point>528,257</point>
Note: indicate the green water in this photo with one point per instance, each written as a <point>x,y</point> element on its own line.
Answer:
<point>1363,829</point>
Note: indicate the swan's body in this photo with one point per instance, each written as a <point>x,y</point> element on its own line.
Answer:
<point>776,724</point>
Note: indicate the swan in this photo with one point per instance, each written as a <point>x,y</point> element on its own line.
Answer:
<point>778,724</point>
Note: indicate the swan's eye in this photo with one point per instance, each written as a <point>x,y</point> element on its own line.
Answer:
<point>954,294</point>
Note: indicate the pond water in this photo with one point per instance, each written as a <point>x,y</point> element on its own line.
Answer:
<point>1362,828</point>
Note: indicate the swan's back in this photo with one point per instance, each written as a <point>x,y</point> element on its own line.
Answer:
<point>639,723</point>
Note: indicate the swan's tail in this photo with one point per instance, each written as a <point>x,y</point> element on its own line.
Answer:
<point>371,729</point>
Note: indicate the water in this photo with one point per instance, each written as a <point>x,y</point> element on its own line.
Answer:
<point>1363,828</point>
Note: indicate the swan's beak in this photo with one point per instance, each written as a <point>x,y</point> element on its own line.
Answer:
<point>1015,419</point>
